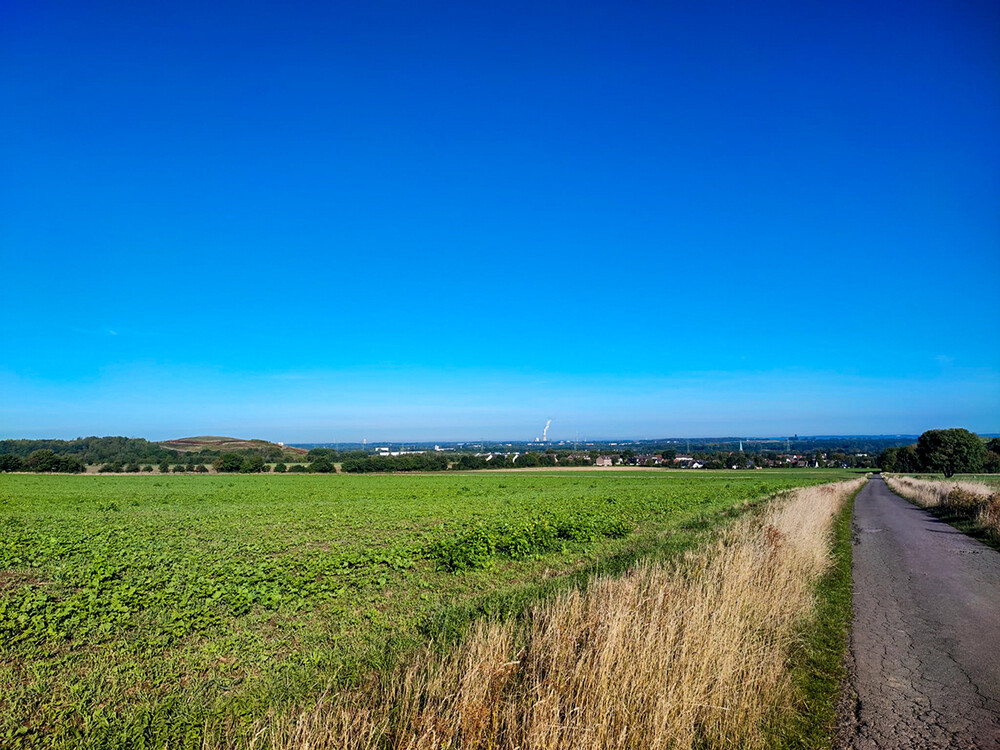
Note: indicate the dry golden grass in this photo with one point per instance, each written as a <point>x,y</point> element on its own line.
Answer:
<point>976,501</point>
<point>691,654</point>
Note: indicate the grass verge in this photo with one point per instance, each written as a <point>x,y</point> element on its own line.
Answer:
<point>817,666</point>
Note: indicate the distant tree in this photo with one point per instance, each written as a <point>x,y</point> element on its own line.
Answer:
<point>147,467</point>
<point>954,451</point>
<point>43,459</point>
<point>992,463</point>
<point>298,469</point>
<point>993,444</point>
<point>252,465</point>
<point>201,469</point>
<point>329,453</point>
<point>133,467</point>
<point>164,466</point>
<point>887,459</point>
<point>179,468</point>
<point>321,465</point>
<point>907,460</point>
<point>228,463</point>
<point>469,461</point>
<point>280,468</point>
<point>71,465</point>
<point>9,462</point>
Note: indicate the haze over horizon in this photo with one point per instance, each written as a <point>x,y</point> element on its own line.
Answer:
<point>452,222</point>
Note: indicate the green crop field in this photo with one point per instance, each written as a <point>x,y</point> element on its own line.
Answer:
<point>137,611</point>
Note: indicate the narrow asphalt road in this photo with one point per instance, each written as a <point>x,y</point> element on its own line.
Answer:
<point>924,657</point>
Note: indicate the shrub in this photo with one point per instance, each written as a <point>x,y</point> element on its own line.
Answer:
<point>201,469</point>
<point>321,465</point>
<point>298,469</point>
<point>989,517</point>
<point>147,467</point>
<point>963,501</point>
<point>280,468</point>
<point>228,462</point>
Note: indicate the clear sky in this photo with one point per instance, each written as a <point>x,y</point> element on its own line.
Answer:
<point>454,220</point>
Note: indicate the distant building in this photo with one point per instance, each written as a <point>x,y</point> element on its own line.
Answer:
<point>648,459</point>
<point>605,461</point>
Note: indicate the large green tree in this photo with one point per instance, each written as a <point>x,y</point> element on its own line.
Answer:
<point>887,459</point>
<point>908,460</point>
<point>954,451</point>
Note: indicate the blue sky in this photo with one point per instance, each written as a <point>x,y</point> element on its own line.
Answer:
<point>320,222</point>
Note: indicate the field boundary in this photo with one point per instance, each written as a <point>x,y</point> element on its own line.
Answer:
<point>820,665</point>
<point>450,622</point>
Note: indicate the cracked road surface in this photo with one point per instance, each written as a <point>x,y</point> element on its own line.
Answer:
<point>924,661</point>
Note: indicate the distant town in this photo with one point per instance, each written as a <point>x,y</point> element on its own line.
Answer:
<point>214,454</point>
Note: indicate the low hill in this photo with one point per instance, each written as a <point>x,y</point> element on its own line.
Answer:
<point>217,443</point>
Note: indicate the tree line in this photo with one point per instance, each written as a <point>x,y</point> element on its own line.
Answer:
<point>92,450</point>
<point>42,460</point>
<point>116,454</point>
<point>949,452</point>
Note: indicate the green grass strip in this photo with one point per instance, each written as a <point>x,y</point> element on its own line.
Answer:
<point>818,664</point>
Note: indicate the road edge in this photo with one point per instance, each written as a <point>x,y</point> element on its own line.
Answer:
<point>848,698</point>
<point>821,668</point>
